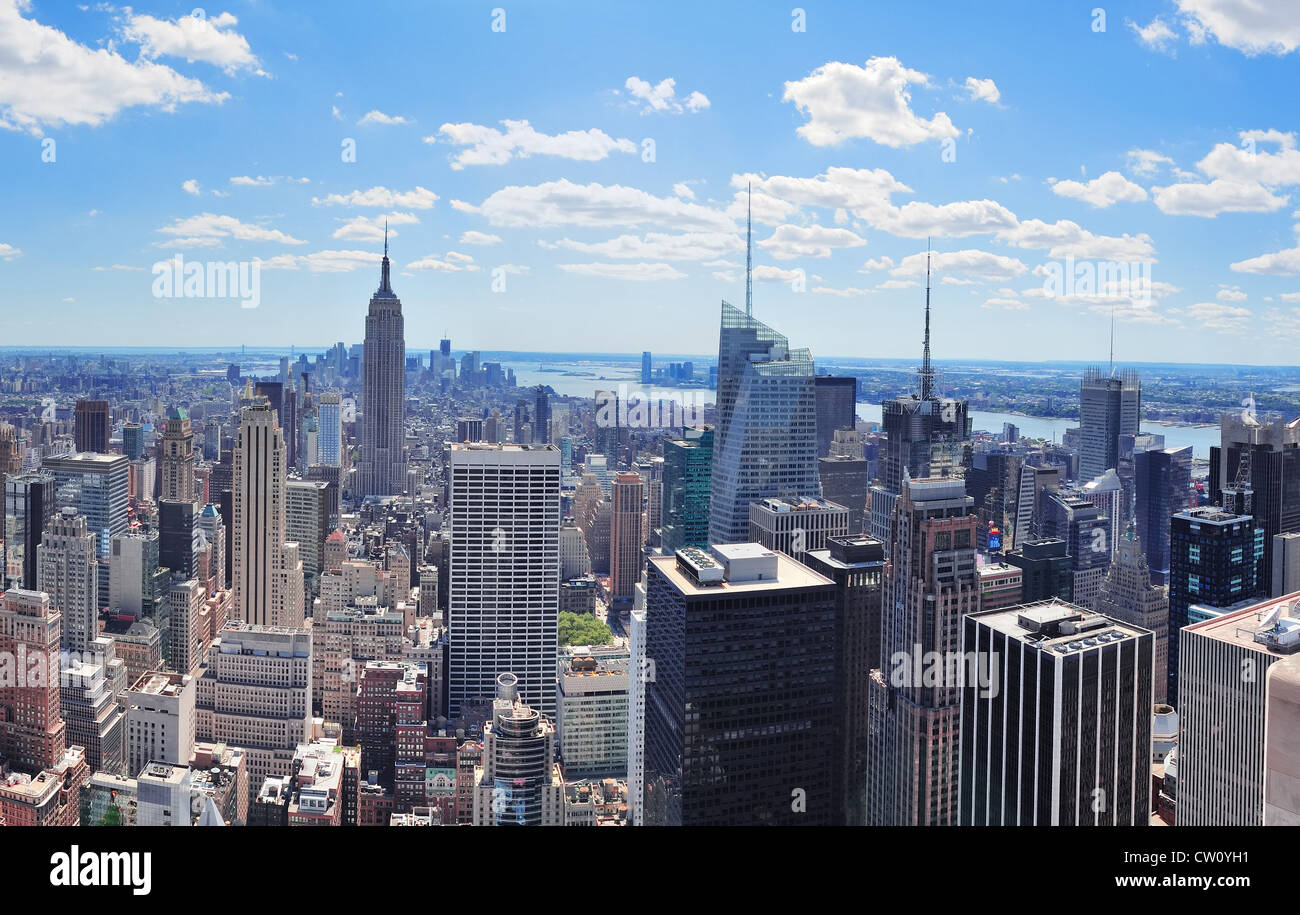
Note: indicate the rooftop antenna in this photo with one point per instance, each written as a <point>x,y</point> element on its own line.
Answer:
<point>749,262</point>
<point>927,373</point>
<point>1112,340</point>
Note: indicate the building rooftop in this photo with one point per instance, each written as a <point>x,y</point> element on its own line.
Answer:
<point>1271,626</point>
<point>1059,626</point>
<point>160,683</point>
<point>785,572</point>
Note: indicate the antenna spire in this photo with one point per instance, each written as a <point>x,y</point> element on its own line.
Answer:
<point>1112,341</point>
<point>384,284</point>
<point>749,262</point>
<point>927,373</point>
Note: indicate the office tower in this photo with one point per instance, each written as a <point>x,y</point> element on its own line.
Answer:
<point>329,444</point>
<point>179,537</point>
<point>382,469</point>
<point>846,477</point>
<point>307,523</point>
<point>1109,406</point>
<point>647,369</point>
<point>924,431</point>
<point>289,424</point>
<point>591,715</point>
<point>1127,594</point>
<point>1286,563</point>
<point>1130,446</point>
<point>574,559</point>
<point>133,440</point>
<point>28,507</point>
<point>503,600</point>
<point>176,469</point>
<point>1055,718</point>
<point>1066,515</point>
<point>1163,485</point>
<point>214,533</point>
<point>136,580</point>
<point>89,706</point>
<point>796,524</point>
<point>1225,689</point>
<point>1272,470</point>
<point>184,624</point>
<point>32,732</point>
<point>1107,493</point>
<point>212,441</point>
<point>930,584</point>
<point>392,698</point>
<point>1047,567</point>
<point>881,503</point>
<point>519,783</point>
<point>92,426</point>
<point>1215,560</point>
<point>856,565</point>
<point>765,443</point>
<point>469,429</point>
<point>68,572</point>
<point>837,406</point>
<point>254,691</point>
<point>541,415</point>
<point>625,540</point>
<point>266,568</point>
<point>492,431</point>
<point>687,486</point>
<point>96,485</point>
<point>160,720</point>
<point>738,636</point>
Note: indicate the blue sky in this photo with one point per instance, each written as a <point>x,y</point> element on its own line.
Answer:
<point>1013,136</point>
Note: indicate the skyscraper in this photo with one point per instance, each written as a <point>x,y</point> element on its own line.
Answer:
<point>740,711</point>
<point>1162,484</point>
<point>1109,406</point>
<point>92,426</point>
<point>69,573</point>
<point>519,783</point>
<point>541,415</point>
<point>1056,722</point>
<point>647,372</point>
<point>625,540</point>
<point>96,485</point>
<point>503,599</point>
<point>32,732</point>
<point>1128,595</point>
<point>28,508</point>
<point>687,483</point>
<point>930,586</point>
<point>382,468</point>
<point>837,404</point>
<point>765,443</point>
<point>177,470</point>
<point>924,431</point>
<point>329,444</point>
<point>266,570</point>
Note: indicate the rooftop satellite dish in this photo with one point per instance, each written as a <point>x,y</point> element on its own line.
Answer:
<point>1271,617</point>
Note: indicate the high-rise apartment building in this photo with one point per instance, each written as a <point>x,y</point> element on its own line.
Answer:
<point>329,420</point>
<point>92,426</point>
<point>382,468</point>
<point>1055,718</point>
<point>32,732</point>
<point>503,598</point>
<point>625,535</point>
<point>1109,406</point>
<point>765,443</point>
<point>176,468</point>
<point>266,567</point>
<point>519,783</point>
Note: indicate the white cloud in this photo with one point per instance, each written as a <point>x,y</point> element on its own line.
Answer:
<point>877,263</point>
<point>663,97</point>
<point>248,181</point>
<point>372,228</point>
<point>848,292</point>
<point>8,252</point>
<point>418,199</point>
<point>451,262</point>
<point>767,273</point>
<point>212,40</point>
<point>1216,316</point>
<point>1290,297</point>
<point>970,262</point>
<point>490,146</point>
<point>1005,304</point>
<point>1280,263</point>
<point>682,189</point>
<point>332,261</point>
<point>115,268</point>
<point>556,203</point>
<point>1228,293</point>
<point>984,90</point>
<point>1251,26</point>
<point>473,237</point>
<point>49,80</point>
<point>1222,195</point>
<point>789,242</point>
<point>1155,35</point>
<point>949,220</point>
<point>375,116</point>
<point>1102,191</point>
<point>191,187</point>
<point>1064,238</point>
<point>639,273</point>
<point>661,246</point>
<point>210,229</point>
<point>1146,161</point>
<point>1248,163</point>
<point>844,101</point>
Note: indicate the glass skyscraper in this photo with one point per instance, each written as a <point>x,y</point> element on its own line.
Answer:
<point>688,480</point>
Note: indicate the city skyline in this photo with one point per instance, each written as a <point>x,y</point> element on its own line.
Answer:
<point>869,144</point>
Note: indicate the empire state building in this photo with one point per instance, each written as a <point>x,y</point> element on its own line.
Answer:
<point>382,469</point>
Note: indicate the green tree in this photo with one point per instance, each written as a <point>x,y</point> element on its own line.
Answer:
<point>583,629</point>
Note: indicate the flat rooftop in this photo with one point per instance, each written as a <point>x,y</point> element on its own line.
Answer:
<point>789,573</point>
<point>1058,626</point>
<point>1242,626</point>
